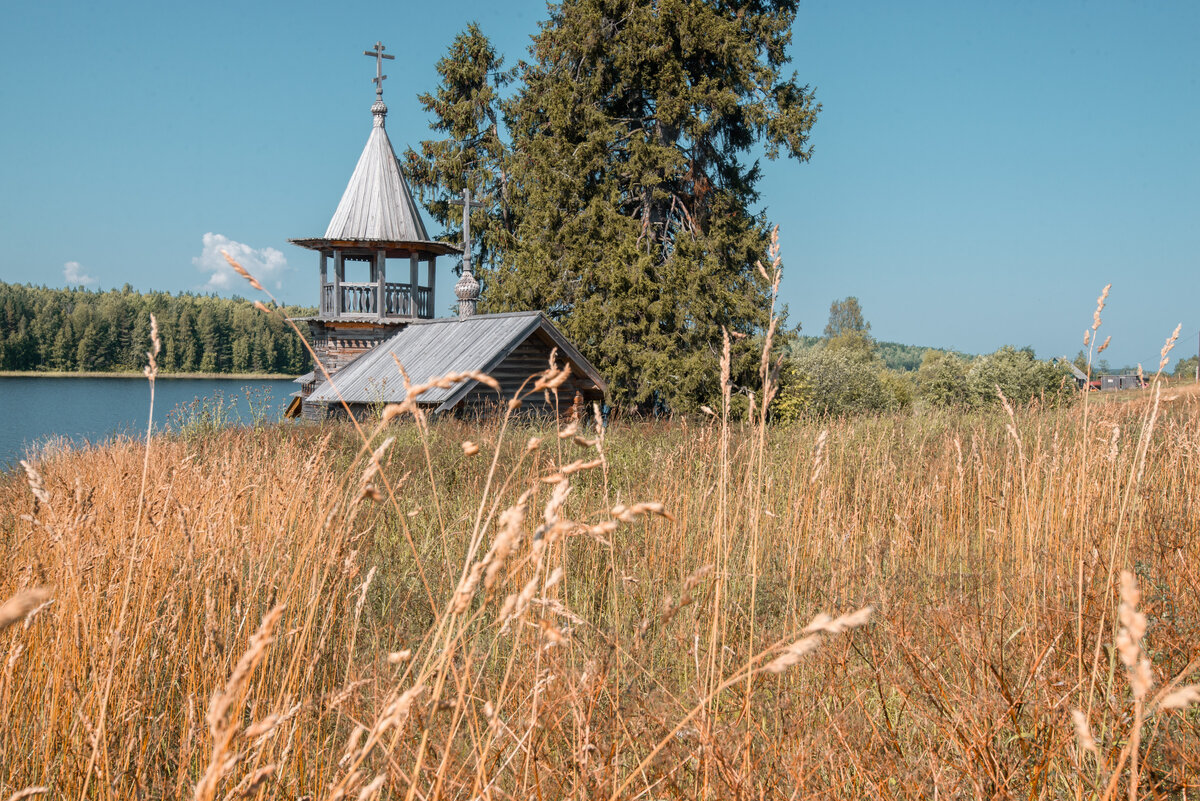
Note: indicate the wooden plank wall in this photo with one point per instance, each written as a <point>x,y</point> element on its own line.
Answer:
<point>529,358</point>
<point>339,345</point>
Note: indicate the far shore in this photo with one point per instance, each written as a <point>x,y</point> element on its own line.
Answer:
<point>131,374</point>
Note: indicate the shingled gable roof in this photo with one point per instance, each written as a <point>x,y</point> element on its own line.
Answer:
<point>431,348</point>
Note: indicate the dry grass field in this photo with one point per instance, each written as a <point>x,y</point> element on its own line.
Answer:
<point>285,613</point>
<point>954,605</point>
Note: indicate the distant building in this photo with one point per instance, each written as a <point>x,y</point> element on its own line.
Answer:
<point>364,327</point>
<point>1103,383</point>
<point>1111,383</point>
<point>1081,379</point>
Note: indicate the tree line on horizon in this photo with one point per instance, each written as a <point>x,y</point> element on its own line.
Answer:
<point>894,355</point>
<point>80,330</point>
<point>846,372</point>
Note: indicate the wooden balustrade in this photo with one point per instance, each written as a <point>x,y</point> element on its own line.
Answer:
<point>359,299</point>
<point>398,300</point>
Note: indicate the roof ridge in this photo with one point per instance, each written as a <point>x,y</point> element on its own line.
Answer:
<point>490,316</point>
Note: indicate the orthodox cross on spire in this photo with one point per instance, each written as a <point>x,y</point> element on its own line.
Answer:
<point>467,203</point>
<point>467,288</point>
<point>379,78</point>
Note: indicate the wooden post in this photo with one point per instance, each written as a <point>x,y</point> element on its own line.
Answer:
<point>381,274</point>
<point>431,261</point>
<point>324,280</point>
<point>339,275</point>
<point>412,284</point>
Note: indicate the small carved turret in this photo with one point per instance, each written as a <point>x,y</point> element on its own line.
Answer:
<point>467,288</point>
<point>467,291</point>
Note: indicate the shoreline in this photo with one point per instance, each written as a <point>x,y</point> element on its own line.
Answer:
<point>131,374</point>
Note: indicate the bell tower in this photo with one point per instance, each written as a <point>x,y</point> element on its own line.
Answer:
<point>375,223</point>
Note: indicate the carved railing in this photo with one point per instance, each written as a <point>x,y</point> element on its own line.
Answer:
<point>362,299</point>
<point>398,300</point>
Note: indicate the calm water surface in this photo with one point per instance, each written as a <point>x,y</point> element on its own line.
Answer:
<point>37,410</point>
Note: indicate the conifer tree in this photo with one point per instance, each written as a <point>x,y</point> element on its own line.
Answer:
<point>466,108</point>
<point>630,178</point>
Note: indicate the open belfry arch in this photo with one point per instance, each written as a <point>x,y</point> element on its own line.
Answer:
<point>377,278</point>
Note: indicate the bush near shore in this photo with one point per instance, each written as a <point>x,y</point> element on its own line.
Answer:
<point>476,611</point>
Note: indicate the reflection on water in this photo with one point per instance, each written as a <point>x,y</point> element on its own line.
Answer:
<point>74,410</point>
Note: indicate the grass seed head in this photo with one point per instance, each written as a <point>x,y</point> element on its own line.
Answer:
<point>242,271</point>
<point>16,608</point>
<point>1083,732</point>
<point>1129,638</point>
<point>371,789</point>
<point>151,369</point>
<point>36,485</point>
<point>793,654</point>
<point>1100,307</point>
<point>1181,698</point>
<point>1166,348</point>
<point>28,792</point>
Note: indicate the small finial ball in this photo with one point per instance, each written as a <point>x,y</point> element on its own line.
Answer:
<point>467,287</point>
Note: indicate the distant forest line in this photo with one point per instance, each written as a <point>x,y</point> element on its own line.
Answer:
<point>80,330</point>
<point>894,355</point>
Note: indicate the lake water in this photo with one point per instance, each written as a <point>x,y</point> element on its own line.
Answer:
<point>35,410</point>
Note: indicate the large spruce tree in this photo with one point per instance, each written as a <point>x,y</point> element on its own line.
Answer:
<point>466,109</point>
<point>624,201</point>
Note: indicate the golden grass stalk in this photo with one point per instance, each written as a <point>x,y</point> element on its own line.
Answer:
<point>221,725</point>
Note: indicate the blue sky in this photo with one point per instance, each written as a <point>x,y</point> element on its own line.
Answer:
<point>981,170</point>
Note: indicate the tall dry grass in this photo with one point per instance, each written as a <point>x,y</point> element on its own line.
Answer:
<point>958,606</point>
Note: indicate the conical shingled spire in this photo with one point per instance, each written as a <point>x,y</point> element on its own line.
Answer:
<point>377,205</point>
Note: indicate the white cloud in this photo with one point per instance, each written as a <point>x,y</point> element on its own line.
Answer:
<point>266,264</point>
<point>74,275</point>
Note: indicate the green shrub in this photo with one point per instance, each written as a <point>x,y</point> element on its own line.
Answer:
<point>1020,376</point>
<point>833,381</point>
<point>898,389</point>
<point>942,379</point>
